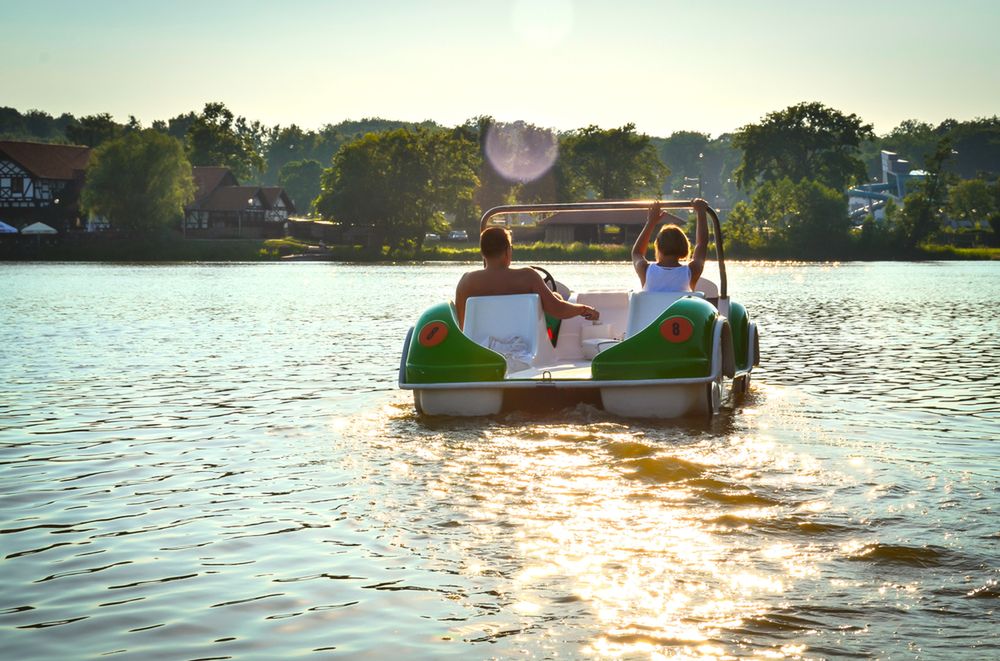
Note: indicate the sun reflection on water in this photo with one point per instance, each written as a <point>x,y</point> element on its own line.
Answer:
<point>656,540</point>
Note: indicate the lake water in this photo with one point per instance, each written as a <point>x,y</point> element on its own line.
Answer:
<point>213,461</point>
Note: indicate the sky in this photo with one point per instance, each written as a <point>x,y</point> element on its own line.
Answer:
<point>700,65</point>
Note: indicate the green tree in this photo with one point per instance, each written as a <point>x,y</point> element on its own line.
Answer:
<point>288,144</point>
<point>139,182</point>
<point>804,141</point>
<point>12,124</point>
<point>802,219</point>
<point>358,128</point>
<point>912,139</point>
<point>875,239</point>
<point>976,146</point>
<point>744,231</point>
<point>398,184</point>
<point>326,142</point>
<point>971,199</point>
<point>93,130</point>
<point>609,164</point>
<point>994,219</point>
<point>178,125</point>
<point>684,153</point>
<point>34,125</point>
<point>493,189</point>
<point>817,221</point>
<point>921,214</point>
<point>217,137</point>
<point>300,179</point>
<point>257,137</point>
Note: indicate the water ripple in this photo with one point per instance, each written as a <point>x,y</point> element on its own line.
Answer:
<point>225,470</point>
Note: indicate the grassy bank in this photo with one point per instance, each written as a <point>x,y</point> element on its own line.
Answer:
<point>579,252</point>
<point>172,248</point>
<point>573,252</point>
<point>951,252</point>
<point>138,249</point>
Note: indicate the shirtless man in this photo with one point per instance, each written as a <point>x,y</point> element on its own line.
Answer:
<point>498,278</point>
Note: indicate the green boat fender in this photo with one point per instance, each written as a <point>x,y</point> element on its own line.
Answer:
<point>439,352</point>
<point>739,323</point>
<point>677,345</point>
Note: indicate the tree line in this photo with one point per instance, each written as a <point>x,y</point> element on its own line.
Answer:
<point>781,179</point>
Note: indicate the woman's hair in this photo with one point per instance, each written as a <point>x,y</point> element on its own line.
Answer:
<point>673,241</point>
<point>494,241</point>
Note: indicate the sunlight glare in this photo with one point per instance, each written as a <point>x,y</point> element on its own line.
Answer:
<point>520,152</point>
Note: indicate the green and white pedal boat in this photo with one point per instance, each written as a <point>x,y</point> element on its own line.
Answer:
<point>651,355</point>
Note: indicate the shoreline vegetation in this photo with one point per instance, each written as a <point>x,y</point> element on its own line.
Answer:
<point>176,249</point>
<point>807,182</point>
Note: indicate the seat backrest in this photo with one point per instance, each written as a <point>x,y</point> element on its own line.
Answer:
<point>707,287</point>
<point>613,306</point>
<point>645,306</point>
<point>503,317</point>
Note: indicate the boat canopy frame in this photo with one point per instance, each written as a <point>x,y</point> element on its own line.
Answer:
<point>621,205</point>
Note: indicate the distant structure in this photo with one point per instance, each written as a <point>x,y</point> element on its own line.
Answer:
<point>41,182</point>
<point>222,209</point>
<point>897,182</point>
<point>593,226</point>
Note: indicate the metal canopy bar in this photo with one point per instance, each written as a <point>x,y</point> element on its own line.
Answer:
<point>621,205</point>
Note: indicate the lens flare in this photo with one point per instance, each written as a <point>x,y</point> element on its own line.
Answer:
<point>520,152</point>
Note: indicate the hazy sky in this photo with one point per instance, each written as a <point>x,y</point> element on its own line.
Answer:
<point>704,65</point>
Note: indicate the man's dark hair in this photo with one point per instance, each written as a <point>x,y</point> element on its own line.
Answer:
<point>494,241</point>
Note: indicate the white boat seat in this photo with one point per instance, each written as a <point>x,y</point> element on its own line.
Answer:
<point>513,325</point>
<point>645,306</point>
<point>707,287</point>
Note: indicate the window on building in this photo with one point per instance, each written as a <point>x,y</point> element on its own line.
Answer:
<point>17,185</point>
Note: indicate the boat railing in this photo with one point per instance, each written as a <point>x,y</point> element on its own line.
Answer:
<point>619,205</point>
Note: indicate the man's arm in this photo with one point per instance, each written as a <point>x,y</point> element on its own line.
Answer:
<point>555,306</point>
<point>461,295</point>
<point>639,262</point>
<point>697,263</point>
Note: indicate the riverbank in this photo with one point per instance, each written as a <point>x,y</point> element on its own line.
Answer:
<point>177,249</point>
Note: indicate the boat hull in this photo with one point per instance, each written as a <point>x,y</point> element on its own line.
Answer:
<point>644,376</point>
<point>666,401</point>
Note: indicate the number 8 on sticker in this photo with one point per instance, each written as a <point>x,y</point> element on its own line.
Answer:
<point>676,329</point>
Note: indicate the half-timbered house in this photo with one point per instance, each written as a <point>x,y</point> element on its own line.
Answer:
<point>224,209</point>
<point>278,206</point>
<point>41,183</point>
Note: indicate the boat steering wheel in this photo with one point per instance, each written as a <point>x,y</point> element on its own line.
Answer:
<point>547,278</point>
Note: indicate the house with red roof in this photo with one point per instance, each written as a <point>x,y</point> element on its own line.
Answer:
<point>41,182</point>
<point>224,209</point>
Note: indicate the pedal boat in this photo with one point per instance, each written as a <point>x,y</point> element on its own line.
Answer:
<point>651,355</point>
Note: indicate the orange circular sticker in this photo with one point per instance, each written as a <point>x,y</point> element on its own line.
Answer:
<point>676,329</point>
<point>433,334</point>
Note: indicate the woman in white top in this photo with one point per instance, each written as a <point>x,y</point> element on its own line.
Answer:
<point>667,273</point>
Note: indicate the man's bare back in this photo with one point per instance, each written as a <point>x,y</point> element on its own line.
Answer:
<point>497,278</point>
<point>501,280</point>
<point>496,282</point>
